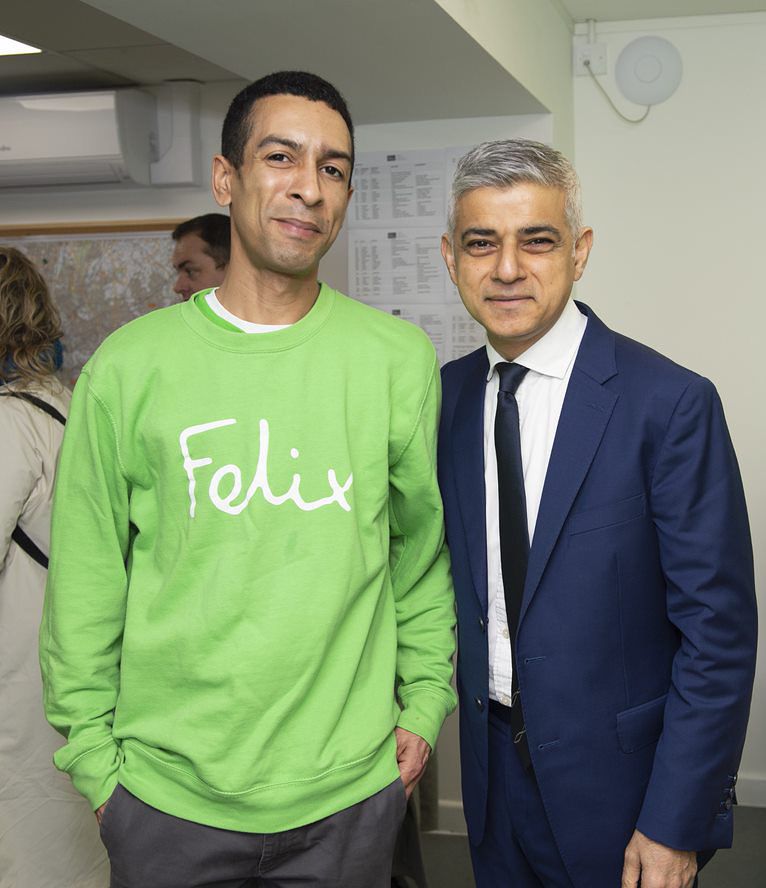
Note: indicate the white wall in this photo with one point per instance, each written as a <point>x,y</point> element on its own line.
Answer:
<point>531,39</point>
<point>677,204</point>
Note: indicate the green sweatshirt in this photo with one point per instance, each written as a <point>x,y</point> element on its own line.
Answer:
<point>248,565</point>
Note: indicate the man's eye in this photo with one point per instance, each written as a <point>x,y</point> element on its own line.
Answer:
<point>334,171</point>
<point>478,245</point>
<point>279,157</point>
<point>540,244</point>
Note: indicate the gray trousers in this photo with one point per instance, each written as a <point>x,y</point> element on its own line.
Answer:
<point>350,849</point>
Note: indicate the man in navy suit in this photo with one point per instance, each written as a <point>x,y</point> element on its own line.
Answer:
<point>607,635</point>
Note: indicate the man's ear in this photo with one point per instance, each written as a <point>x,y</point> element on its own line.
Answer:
<point>221,180</point>
<point>449,257</point>
<point>583,246</point>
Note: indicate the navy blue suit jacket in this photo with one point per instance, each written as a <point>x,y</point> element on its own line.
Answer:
<point>636,643</point>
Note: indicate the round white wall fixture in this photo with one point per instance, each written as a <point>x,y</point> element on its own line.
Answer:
<point>648,70</point>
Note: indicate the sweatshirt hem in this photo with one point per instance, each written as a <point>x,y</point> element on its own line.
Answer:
<point>265,808</point>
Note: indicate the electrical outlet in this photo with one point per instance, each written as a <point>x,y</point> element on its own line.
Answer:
<point>595,53</point>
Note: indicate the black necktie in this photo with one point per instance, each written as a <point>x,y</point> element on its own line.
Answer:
<point>514,535</point>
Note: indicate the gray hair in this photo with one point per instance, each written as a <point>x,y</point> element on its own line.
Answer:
<point>508,162</point>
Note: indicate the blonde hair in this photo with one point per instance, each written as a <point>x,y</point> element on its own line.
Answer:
<point>29,321</point>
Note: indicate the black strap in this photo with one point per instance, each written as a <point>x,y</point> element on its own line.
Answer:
<point>38,402</point>
<point>18,535</point>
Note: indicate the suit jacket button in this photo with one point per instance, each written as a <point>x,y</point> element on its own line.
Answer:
<point>480,704</point>
<point>727,804</point>
<point>482,624</point>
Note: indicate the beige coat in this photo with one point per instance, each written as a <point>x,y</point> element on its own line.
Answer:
<point>48,834</point>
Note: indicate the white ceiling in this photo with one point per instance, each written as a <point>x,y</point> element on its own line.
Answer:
<point>393,59</point>
<point>84,48</point>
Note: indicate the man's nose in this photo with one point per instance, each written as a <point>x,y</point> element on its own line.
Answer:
<point>305,184</point>
<point>508,267</point>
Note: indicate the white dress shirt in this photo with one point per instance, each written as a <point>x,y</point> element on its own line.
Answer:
<point>540,397</point>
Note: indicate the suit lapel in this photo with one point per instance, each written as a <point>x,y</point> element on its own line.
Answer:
<point>467,452</point>
<point>584,417</point>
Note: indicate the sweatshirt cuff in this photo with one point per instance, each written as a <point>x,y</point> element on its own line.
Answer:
<point>423,714</point>
<point>93,772</point>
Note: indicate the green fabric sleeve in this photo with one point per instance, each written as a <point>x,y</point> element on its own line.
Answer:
<point>420,574</point>
<point>84,613</point>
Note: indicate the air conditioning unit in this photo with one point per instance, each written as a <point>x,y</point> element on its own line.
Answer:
<point>77,138</point>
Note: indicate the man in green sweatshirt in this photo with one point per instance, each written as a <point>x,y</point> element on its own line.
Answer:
<point>248,630</point>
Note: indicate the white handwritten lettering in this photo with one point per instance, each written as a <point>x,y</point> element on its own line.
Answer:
<point>226,502</point>
<point>191,464</point>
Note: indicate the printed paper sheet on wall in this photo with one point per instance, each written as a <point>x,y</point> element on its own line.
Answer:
<point>396,220</point>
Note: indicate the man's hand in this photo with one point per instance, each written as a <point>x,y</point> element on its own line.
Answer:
<point>99,812</point>
<point>656,866</point>
<point>412,753</point>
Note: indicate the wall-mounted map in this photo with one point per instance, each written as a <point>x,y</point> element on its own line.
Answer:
<point>100,282</point>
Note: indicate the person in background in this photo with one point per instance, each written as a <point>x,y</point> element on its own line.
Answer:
<point>601,556</point>
<point>48,837</point>
<point>249,623</point>
<point>201,253</point>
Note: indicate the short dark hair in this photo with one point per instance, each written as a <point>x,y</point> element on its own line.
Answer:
<point>215,230</point>
<point>238,123</point>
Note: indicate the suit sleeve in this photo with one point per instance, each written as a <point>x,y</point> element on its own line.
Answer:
<point>420,575</point>
<point>698,508</point>
<point>84,613</point>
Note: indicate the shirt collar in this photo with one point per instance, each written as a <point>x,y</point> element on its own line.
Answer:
<point>551,355</point>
